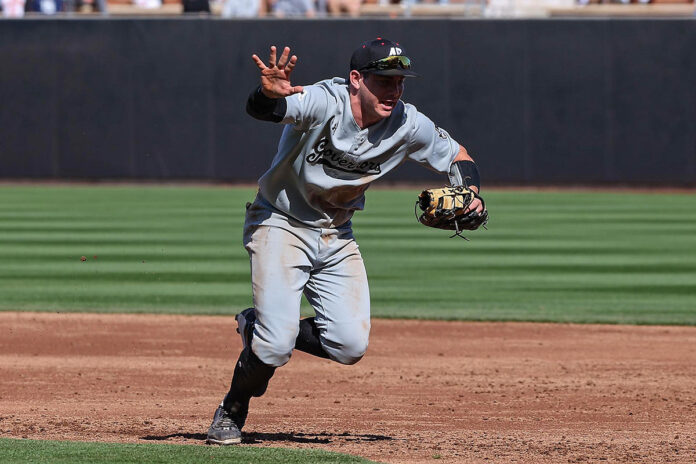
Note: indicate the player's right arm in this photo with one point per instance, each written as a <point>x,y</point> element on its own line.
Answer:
<point>261,107</point>
<point>277,100</point>
<point>275,78</point>
<point>267,101</point>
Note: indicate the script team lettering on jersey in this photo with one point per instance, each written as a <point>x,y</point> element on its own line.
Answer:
<point>327,155</point>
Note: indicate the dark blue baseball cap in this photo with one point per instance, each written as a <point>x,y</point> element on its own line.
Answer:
<point>382,56</point>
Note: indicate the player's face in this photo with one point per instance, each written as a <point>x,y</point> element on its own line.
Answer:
<point>379,95</point>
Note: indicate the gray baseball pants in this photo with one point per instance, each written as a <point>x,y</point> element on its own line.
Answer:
<point>325,265</point>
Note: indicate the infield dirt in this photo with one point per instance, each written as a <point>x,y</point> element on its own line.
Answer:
<point>425,392</point>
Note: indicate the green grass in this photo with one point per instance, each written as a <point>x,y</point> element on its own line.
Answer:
<point>55,452</point>
<point>547,256</point>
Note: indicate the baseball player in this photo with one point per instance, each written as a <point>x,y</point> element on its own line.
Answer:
<point>340,135</point>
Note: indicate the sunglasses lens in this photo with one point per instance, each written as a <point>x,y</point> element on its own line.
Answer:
<point>394,62</point>
<point>390,62</point>
<point>405,62</point>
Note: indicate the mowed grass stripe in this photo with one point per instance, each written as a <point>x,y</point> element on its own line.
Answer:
<point>149,249</point>
<point>547,256</point>
<point>55,452</point>
<point>556,256</point>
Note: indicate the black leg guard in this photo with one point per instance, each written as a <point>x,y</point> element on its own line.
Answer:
<point>250,378</point>
<point>308,339</point>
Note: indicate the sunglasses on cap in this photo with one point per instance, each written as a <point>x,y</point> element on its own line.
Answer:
<point>390,62</point>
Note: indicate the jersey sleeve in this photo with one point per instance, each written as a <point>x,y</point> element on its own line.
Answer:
<point>431,145</point>
<point>308,108</point>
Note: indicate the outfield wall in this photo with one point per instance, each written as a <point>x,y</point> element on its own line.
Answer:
<point>535,101</point>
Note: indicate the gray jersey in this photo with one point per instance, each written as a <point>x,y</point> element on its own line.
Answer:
<point>325,162</point>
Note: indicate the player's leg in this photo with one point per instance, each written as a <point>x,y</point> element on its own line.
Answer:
<point>339,293</point>
<point>279,269</point>
<point>250,379</point>
<point>308,338</point>
<point>281,262</point>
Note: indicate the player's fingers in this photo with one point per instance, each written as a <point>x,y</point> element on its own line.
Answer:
<point>291,64</point>
<point>284,58</point>
<point>272,57</point>
<point>258,62</point>
<point>297,89</point>
<point>475,205</point>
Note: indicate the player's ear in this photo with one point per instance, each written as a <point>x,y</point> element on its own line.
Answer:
<point>355,78</point>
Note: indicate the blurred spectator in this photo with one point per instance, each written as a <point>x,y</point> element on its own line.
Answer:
<point>93,5</point>
<point>148,4</point>
<point>50,7</point>
<point>196,6</point>
<point>47,7</point>
<point>241,9</point>
<point>13,8</point>
<point>340,7</point>
<point>284,8</point>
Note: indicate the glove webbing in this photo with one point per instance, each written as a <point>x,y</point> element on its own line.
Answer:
<point>440,208</point>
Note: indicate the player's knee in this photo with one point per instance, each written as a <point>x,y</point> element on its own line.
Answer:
<point>274,339</point>
<point>347,343</point>
<point>350,354</point>
<point>274,354</point>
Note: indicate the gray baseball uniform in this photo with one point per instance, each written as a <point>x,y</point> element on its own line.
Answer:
<point>298,230</point>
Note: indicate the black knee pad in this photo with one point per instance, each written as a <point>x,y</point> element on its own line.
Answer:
<point>308,339</point>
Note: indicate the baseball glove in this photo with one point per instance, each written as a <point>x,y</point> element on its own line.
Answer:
<point>444,208</point>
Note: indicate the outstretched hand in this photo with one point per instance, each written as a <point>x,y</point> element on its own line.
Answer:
<point>275,78</point>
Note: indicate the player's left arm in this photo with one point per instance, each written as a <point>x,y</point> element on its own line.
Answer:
<point>463,171</point>
<point>434,147</point>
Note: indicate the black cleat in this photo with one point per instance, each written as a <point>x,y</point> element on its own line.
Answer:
<point>224,430</point>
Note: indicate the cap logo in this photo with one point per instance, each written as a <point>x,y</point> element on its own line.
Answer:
<point>394,51</point>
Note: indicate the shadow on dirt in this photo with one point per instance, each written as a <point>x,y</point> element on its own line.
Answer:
<point>298,437</point>
<point>261,437</point>
<point>188,436</point>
